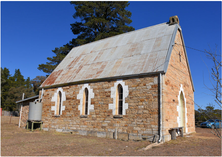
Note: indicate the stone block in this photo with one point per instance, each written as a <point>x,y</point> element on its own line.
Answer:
<point>104,124</point>
<point>91,133</point>
<point>123,136</point>
<point>82,132</point>
<point>101,134</point>
<point>45,129</point>
<point>110,134</point>
<point>75,132</point>
<point>59,130</point>
<point>135,137</point>
<point>66,131</point>
<point>150,137</point>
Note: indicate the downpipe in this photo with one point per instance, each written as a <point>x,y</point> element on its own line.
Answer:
<point>40,99</point>
<point>160,107</point>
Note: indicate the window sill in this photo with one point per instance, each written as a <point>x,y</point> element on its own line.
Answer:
<point>56,116</point>
<point>118,116</point>
<point>83,116</point>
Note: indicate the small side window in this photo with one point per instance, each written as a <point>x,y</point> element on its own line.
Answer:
<point>120,100</point>
<point>58,107</point>
<point>85,102</point>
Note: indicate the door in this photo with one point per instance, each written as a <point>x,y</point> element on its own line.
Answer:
<point>182,112</point>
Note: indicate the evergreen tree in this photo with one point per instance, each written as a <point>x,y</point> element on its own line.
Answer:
<point>36,82</point>
<point>98,20</point>
<point>5,85</point>
<point>13,87</point>
<point>28,84</point>
<point>18,79</point>
<point>208,113</point>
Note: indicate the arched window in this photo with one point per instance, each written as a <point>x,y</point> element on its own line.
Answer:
<point>119,93</point>
<point>85,96</point>
<point>59,101</point>
<point>85,101</point>
<point>120,99</point>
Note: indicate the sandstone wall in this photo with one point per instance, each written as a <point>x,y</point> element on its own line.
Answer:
<point>177,78</point>
<point>141,119</point>
<point>24,116</point>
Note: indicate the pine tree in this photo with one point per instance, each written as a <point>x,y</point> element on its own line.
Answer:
<point>18,79</point>
<point>5,85</point>
<point>98,20</point>
<point>36,82</point>
<point>13,87</point>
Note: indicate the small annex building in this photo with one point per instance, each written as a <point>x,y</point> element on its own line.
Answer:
<point>23,106</point>
<point>134,86</point>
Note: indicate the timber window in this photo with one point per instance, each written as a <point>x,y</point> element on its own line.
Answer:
<point>58,107</point>
<point>119,92</point>
<point>85,102</point>
<point>120,100</point>
<point>85,95</point>
<point>59,97</point>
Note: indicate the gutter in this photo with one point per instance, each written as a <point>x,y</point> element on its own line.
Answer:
<point>160,108</point>
<point>100,79</point>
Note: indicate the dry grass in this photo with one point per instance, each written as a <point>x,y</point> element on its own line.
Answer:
<point>20,142</point>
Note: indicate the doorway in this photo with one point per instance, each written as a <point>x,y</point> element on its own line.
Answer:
<point>182,112</point>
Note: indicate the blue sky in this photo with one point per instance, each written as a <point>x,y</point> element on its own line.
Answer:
<point>31,30</point>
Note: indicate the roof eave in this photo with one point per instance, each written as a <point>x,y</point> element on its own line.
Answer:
<point>102,79</point>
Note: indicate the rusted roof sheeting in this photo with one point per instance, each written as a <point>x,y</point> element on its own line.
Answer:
<point>137,52</point>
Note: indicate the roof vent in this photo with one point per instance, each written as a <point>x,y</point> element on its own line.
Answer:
<point>174,20</point>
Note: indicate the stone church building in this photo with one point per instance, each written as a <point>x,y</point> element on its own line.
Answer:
<point>132,86</point>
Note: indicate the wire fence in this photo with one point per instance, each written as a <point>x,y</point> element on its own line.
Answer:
<point>9,120</point>
<point>10,113</point>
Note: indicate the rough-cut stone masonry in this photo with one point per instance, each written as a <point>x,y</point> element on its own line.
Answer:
<point>177,75</point>
<point>24,116</point>
<point>141,119</point>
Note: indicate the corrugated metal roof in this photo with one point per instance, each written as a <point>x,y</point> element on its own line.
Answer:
<point>34,97</point>
<point>137,52</point>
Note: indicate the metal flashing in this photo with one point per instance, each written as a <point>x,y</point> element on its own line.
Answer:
<point>172,42</point>
<point>187,59</point>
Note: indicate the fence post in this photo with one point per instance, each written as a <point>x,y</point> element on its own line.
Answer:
<point>10,118</point>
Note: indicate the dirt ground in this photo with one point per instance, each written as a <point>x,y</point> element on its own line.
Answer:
<point>20,142</point>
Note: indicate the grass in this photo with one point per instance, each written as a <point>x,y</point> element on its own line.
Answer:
<point>43,143</point>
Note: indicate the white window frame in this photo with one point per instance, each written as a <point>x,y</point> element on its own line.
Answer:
<point>114,91</point>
